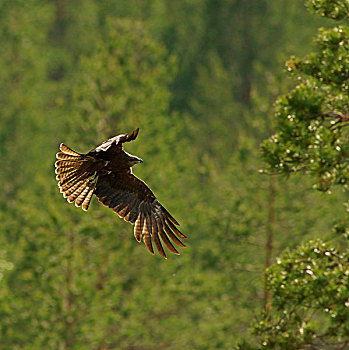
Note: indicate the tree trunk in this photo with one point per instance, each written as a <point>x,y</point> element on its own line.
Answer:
<point>269,244</point>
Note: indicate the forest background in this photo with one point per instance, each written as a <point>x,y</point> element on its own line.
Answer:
<point>199,78</point>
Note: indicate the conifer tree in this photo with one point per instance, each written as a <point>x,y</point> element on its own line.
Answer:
<point>309,286</point>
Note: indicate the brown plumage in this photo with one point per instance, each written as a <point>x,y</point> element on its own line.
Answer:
<point>106,172</point>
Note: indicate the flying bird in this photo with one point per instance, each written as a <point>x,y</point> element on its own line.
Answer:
<point>106,171</point>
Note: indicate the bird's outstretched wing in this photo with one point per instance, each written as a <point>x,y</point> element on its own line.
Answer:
<point>134,201</point>
<point>117,141</point>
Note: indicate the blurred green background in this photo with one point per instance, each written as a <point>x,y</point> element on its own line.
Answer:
<point>199,78</point>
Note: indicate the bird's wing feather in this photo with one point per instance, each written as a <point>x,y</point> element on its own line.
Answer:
<point>134,201</point>
<point>117,141</point>
<point>77,175</point>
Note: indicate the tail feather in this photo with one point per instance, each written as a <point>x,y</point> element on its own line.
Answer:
<point>76,175</point>
<point>64,156</point>
<point>64,170</point>
<point>70,190</point>
<point>64,174</point>
<point>67,150</point>
<point>71,180</point>
<point>66,178</point>
<point>75,194</point>
<point>87,200</point>
<point>68,163</point>
<point>82,196</point>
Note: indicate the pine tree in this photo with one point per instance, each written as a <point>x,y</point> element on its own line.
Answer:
<point>309,286</point>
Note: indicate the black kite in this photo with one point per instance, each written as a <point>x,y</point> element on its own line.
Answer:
<point>106,172</point>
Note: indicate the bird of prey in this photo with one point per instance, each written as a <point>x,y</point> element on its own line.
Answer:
<point>106,172</point>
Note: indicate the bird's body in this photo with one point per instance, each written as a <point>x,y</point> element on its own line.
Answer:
<point>106,172</point>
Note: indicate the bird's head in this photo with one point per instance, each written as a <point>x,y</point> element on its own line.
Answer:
<point>132,160</point>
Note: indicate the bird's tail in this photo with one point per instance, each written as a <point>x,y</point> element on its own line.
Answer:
<point>77,180</point>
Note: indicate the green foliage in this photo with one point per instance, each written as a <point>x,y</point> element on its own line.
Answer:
<point>312,120</point>
<point>4,265</point>
<point>335,9</point>
<point>197,78</point>
<point>125,79</point>
<point>310,288</point>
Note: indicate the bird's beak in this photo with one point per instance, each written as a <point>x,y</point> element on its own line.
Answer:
<point>137,160</point>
